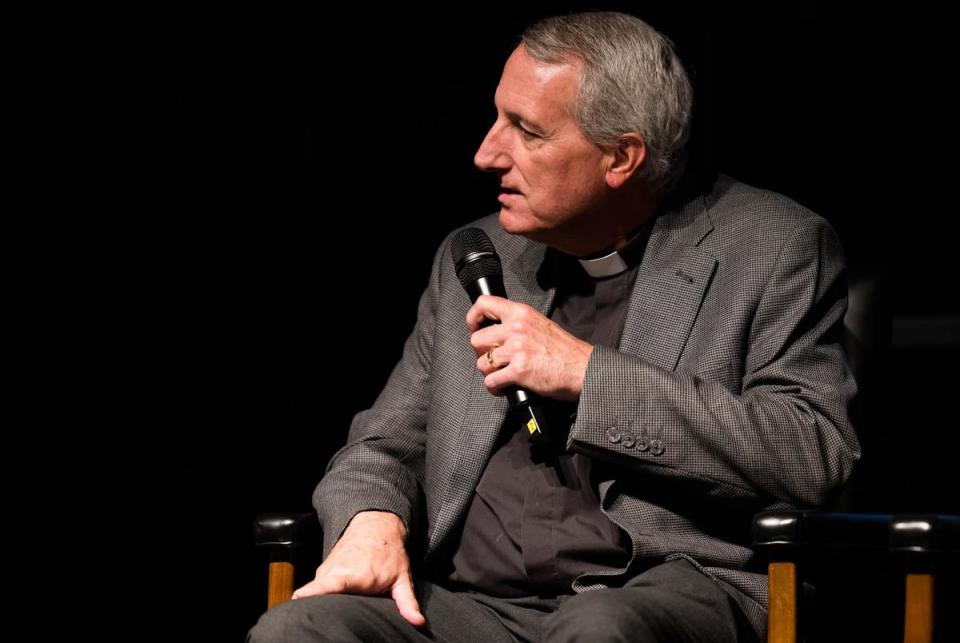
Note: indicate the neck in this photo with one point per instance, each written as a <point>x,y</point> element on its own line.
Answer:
<point>610,229</point>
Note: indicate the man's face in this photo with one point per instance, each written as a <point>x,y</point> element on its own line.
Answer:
<point>551,176</point>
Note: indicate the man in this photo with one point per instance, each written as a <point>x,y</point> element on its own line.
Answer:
<point>689,349</point>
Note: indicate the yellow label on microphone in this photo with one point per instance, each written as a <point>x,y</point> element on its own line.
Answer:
<point>532,426</point>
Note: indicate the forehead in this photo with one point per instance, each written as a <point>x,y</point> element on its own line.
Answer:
<point>537,90</point>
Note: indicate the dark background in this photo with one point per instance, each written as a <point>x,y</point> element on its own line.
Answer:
<point>224,216</point>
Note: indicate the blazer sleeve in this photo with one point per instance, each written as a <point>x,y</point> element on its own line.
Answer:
<point>381,467</point>
<point>785,434</point>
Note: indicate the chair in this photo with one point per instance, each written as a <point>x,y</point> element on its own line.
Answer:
<point>284,536</point>
<point>918,552</point>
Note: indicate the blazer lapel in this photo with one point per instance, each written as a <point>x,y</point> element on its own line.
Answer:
<point>670,285</point>
<point>528,279</point>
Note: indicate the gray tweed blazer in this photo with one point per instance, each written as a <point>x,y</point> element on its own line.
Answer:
<point>728,395</point>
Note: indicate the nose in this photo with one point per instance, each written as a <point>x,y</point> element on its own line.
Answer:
<point>492,154</point>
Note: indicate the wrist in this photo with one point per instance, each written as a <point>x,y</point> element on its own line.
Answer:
<point>580,372</point>
<point>379,520</point>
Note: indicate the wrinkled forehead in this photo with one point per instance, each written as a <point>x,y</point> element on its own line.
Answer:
<point>528,85</point>
<point>521,65</point>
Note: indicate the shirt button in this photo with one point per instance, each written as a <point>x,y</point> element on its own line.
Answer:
<point>643,444</point>
<point>613,434</point>
<point>656,447</point>
<point>628,440</point>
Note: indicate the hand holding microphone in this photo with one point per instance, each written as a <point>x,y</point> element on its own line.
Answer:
<point>519,351</point>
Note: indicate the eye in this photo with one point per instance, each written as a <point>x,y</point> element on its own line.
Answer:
<point>527,134</point>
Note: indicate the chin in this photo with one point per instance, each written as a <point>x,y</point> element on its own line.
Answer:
<point>515,223</point>
<point>533,229</point>
<point>524,227</point>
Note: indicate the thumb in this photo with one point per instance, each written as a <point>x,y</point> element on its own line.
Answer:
<point>403,596</point>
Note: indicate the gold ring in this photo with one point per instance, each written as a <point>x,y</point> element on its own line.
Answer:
<point>490,359</point>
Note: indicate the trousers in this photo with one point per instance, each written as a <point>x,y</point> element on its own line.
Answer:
<point>672,602</point>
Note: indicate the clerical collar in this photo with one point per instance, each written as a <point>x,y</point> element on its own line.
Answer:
<point>606,266</point>
<point>620,260</point>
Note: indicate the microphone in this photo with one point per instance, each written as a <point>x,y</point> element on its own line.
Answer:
<point>481,273</point>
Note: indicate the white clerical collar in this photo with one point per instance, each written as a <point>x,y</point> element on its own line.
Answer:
<point>622,259</point>
<point>606,266</point>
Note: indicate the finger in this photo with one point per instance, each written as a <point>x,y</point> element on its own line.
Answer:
<point>486,338</point>
<point>487,307</point>
<point>322,585</point>
<point>497,380</point>
<point>406,601</point>
<point>493,359</point>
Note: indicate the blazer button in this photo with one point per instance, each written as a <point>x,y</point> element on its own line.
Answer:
<point>642,443</point>
<point>656,447</point>
<point>613,434</point>
<point>628,440</point>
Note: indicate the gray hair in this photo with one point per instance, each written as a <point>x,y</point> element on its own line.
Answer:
<point>632,80</point>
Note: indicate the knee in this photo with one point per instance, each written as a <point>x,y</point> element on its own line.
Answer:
<point>281,624</point>
<point>596,616</point>
<point>315,618</point>
<point>273,625</point>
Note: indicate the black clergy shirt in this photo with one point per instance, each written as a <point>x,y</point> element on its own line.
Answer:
<point>534,523</point>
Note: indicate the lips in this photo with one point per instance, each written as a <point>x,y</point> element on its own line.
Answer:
<point>505,197</point>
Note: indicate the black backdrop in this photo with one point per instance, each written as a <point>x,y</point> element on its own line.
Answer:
<point>225,217</point>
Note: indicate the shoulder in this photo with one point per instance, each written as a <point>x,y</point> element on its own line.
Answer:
<point>745,218</point>
<point>508,246</point>
<point>741,207</point>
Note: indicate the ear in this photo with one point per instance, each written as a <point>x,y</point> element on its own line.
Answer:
<point>625,159</point>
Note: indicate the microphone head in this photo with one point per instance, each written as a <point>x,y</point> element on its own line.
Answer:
<point>474,256</point>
